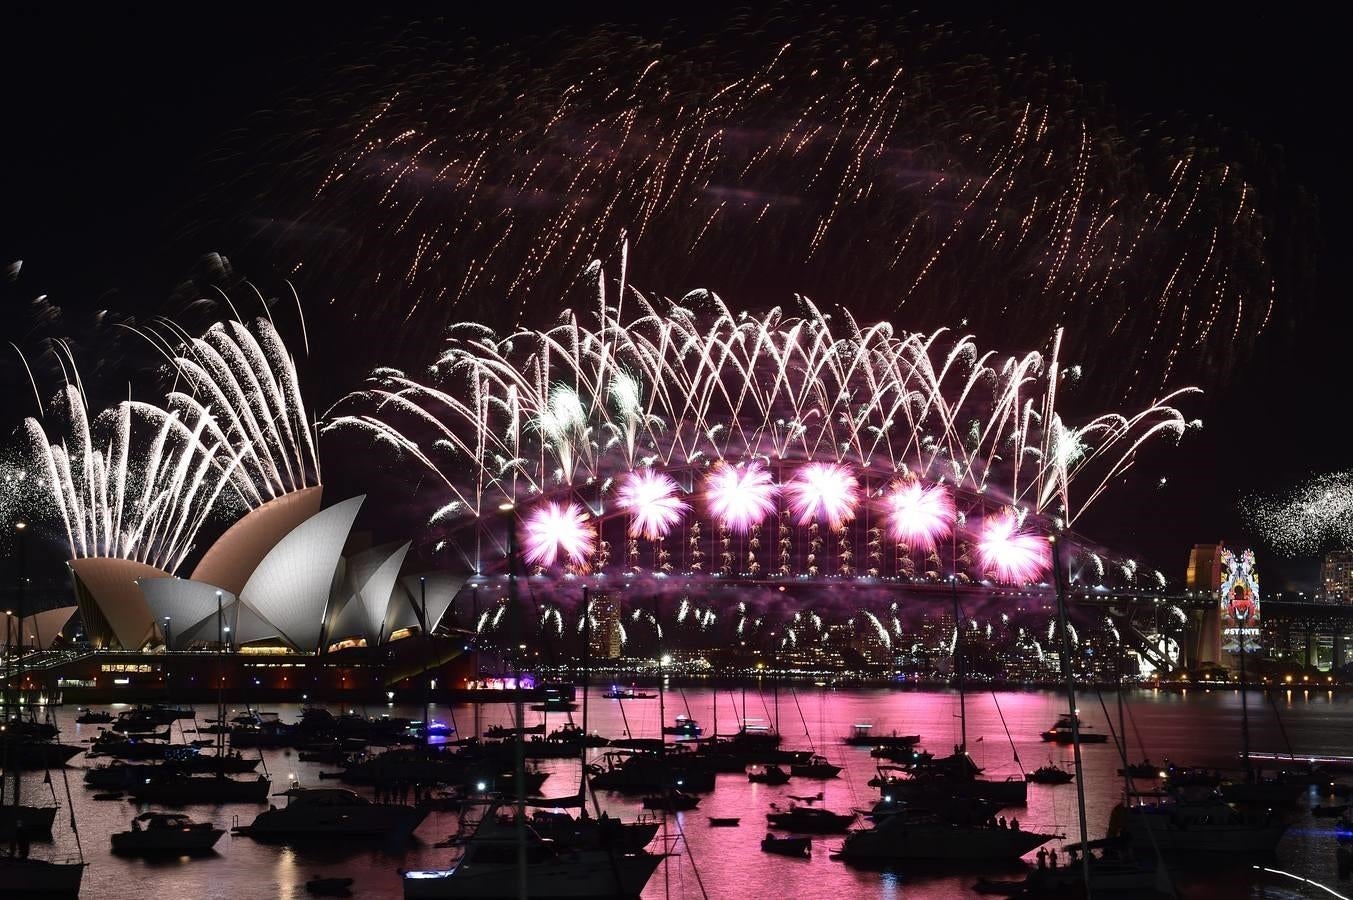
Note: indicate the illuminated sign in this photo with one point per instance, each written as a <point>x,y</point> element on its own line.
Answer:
<point>1239,598</point>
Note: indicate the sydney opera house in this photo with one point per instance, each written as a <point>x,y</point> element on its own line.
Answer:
<point>276,579</point>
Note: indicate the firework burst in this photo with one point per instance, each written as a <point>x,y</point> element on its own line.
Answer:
<point>919,515</point>
<point>652,500</point>
<point>1011,553</point>
<point>762,416</point>
<point>557,532</point>
<point>1315,515</point>
<point>739,497</point>
<point>823,492</point>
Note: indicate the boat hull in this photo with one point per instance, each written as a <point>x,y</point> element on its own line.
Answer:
<point>39,879</point>
<point>938,842</point>
<point>142,843</point>
<point>621,876</point>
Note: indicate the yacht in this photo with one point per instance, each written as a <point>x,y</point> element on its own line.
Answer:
<point>334,812</point>
<point>817,766</point>
<point>154,832</point>
<point>950,776</point>
<point>586,832</point>
<point>810,820</point>
<point>1062,731</point>
<point>862,735</point>
<point>767,775</point>
<point>489,870</point>
<point>619,693</point>
<point>923,835</point>
<point>1194,823</point>
<point>172,789</point>
<point>1050,774</point>
<point>684,727</point>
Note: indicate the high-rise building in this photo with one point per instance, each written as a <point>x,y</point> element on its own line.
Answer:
<point>1336,578</point>
<point>606,643</point>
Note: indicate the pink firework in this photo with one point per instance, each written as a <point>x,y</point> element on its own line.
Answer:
<point>557,532</point>
<point>1012,555</point>
<point>918,515</point>
<point>652,501</point>
<point>739,497</point>
<point>824,492</point>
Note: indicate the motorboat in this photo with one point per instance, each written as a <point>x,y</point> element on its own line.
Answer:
<point>586,832</point>
<point>1050,774</point>
<point>683,727</point>
<point>1065,731</point>
<point>724,821</point>
<point>1114,871</point>
<point>642,772</point>
<point>333,812</point>
<point>503,731</point>
<point>1201,823</point>
<point>332,886</point>
<point>767,775</point>
<point>619,693</point>
<point>1145,769</point>
<point>922,835</point>
<point>817,766</point>
<point>93,717</point>
<point>810,820</point>
<point>950,776</point>
<point>791,845</point>
<point>674,800</point>
<point>488,869</point>
<point>169,788</point>
<point>157,832</point>
<point>862,735</point>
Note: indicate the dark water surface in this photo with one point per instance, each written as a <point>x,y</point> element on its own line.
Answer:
<point>1193,728</point>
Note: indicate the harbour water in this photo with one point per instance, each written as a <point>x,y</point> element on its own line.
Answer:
<point>1197,727</point>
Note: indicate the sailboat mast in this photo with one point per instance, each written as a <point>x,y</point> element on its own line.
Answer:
<point>1244,711</point>
<point>16,696</point>
<point>587,665</point>
<point>959,669</point>
<point>1059,582</point>
<point>519,770</point>
<point>662,710</point>
<point>220,684</point>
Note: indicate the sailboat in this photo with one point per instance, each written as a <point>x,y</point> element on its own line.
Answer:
<point>506,856</point>
<point>957,775</point>
<point>1116,871</point>
<point>21,874</point>
<point>170,786</point>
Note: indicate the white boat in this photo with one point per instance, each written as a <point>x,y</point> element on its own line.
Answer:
<point>1195,824</point>
<point>334,812</point>
<point>918,835</point>
<point>153,833</point>
<point>488,869</point>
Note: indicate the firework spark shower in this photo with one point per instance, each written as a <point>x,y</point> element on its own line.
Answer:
<point>886,168</point>
<point>624,413</point>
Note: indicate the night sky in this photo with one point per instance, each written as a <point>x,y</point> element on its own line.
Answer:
<point>120,127</point>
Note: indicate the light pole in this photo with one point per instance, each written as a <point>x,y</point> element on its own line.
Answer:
<point>423,590</point>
